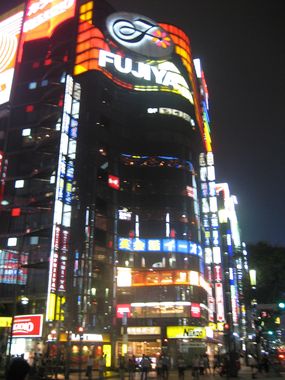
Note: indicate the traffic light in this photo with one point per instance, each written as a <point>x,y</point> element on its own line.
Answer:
<point>281,305</point>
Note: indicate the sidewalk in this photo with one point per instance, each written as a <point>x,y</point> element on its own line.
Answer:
<point>244,374</point>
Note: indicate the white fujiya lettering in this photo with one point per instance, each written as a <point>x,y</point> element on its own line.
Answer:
<point>118,64</point>
<point>105,57</point>
<point>143,71</point>
<point>158,74</point>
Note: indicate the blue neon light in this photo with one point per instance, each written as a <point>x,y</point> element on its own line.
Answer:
<point>159,245</point>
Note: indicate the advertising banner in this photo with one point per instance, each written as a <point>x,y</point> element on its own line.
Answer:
<point>28,326</point>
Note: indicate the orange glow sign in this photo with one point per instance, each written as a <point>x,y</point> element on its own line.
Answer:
<point>10,29</point>
<point>43,16</point>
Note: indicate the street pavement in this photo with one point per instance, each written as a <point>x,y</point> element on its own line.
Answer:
<point>244,374</point>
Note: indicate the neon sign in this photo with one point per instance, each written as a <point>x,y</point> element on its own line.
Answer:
<point>159,245</point>
<point>172,112</point>
<point>163,73</point>
<point>9,37</point>
<point>139,34</point>
<point>43,16</point>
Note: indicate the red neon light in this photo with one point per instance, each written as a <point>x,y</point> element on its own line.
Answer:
<point>114,182</point>
<point>123,309</point>
<point>195,310</point>
<point>30,108</point>
<point>16,211</point>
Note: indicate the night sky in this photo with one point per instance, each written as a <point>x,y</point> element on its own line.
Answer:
<point>241,45</point>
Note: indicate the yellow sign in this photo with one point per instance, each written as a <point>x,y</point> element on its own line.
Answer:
<point>193,332</point>
<point>5,321</point>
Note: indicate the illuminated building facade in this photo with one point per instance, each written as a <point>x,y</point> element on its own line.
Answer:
<point>101,135</point>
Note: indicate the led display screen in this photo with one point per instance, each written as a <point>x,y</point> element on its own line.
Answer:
<point>43,16</point>
<point>11,270</point>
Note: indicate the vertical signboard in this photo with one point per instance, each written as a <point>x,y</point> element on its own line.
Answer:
<point>63,198</point>
<point>10,29</point>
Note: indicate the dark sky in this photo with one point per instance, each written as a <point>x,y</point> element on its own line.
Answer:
<point>241,45</point>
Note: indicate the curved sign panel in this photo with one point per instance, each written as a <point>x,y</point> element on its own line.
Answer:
<point>139,34</point>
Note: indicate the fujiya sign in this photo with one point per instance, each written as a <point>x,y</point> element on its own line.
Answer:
<point>27,326</point>
<point>164,73</point>
<point>140,34</point>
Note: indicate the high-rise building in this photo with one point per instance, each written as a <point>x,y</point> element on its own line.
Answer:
<point>101,128</point>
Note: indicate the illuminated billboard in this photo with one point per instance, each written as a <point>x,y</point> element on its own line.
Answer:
<point>155,43</point>
<point>27,326</point>
<point>127,277</point>
<point>63,199</point>
<point>10,29</point>
<point>11,267</point>
<point>185,332</point>
<point>43,16</point>
<point>159,245</point>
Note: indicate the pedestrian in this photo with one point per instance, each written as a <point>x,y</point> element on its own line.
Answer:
<point>132,367</point>
<point>18,369</point>
<point>195,367</point>
<point>145,367</point>
<point>206,364</point>
<point>181,366</point>
<point>122,366</point>
<point>265,363</point>
<point>89,368</point>
<point>253,365</point>
<point>101,366</point>
<point>201,365</point>
<point>159,367</point>
<point>165,366</point>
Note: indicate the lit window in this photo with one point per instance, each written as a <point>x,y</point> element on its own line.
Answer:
<point>26,132</point>
<point>30,108</point>
<point>32,85</point>
<point>34,240</point>
<point>44,82</point>
<point>16,211</point>
<point>12,242</point>
<point>19,184</point>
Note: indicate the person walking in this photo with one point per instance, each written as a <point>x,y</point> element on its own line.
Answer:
<point>195,367</point>
<point>122,367</point>
<point>132,367</point>
<point>159,367</point>
<point>253,365</point>
<point>165,366</point>
<point>101,366</point>
<point>181,366</point>
<point>89,368</point>
<point>145,367</point>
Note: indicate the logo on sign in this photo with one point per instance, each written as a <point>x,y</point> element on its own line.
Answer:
<point>28,325</point>
<point>139,34</point>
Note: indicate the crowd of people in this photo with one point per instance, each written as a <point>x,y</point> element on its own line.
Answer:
<point>129,366</point>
